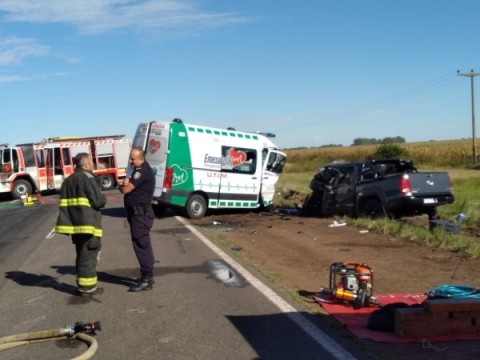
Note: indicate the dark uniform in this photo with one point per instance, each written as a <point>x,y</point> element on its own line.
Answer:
<point>79,216</point>
<point>140,216</point>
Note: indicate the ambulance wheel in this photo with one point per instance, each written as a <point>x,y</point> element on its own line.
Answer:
<point>196,206</point>
<point>107,181</point>
<point>20,188</point>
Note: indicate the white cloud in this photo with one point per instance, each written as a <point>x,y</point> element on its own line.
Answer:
<point>12,78</point>
<point>97,16</point>
<point>14,49</point>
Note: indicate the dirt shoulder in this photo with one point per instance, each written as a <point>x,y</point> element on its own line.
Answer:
<point>297,251</point>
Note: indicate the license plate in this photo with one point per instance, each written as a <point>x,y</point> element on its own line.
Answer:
<point>429,201</point>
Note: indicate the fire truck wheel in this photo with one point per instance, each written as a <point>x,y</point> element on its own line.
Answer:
<point>106,181</point>
<point>196,206</point>
<point>21,187</point>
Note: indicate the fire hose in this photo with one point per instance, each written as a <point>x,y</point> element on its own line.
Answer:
<point>78,331</point>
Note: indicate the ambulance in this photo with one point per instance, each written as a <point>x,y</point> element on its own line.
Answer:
<point>199,167</point>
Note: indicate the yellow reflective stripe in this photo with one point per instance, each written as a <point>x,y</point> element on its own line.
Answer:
<point>81,229</point>
<point>92,281</point>
<point>75,202</point>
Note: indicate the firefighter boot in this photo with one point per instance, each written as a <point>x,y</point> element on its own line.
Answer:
<point>145,283</point>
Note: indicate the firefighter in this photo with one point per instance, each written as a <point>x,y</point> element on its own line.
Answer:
<point>79,216</point>
<point>138,190</point>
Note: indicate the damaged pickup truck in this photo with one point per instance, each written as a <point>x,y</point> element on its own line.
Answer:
<point>377,188</point>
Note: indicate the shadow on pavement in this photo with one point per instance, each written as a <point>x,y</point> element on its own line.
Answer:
<point>41,280</point>
<point>26,279</point>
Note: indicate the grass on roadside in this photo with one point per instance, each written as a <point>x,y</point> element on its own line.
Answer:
<point>436,238</point>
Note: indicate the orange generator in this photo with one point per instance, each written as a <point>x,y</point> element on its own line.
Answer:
<point>352,282</point>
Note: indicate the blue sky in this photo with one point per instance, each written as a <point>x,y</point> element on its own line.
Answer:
<point>313,72</point>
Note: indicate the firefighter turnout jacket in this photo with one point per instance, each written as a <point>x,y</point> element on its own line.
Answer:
<point>80,202</point>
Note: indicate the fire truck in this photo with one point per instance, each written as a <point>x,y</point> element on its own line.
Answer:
<point>41,167</point>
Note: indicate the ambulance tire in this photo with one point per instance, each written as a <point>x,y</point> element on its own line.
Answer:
<point>20,188</point>
<point>196,206</point>
<point>107,182</point>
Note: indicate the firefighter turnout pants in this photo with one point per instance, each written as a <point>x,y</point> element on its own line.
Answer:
<point>88,249</point>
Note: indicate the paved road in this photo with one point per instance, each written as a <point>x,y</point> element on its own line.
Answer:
<point>204,305</point>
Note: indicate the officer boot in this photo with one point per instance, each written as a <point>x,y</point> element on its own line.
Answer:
<point>145,283</point>
<point>139,279</point>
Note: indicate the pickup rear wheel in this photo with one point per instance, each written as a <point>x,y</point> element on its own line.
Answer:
<point>372,208</point>
<point>196,206</point>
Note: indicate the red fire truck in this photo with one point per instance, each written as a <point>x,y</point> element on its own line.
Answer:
<point>40,167</point>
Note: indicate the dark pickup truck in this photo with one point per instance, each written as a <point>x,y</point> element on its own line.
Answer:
<point>377,188</point>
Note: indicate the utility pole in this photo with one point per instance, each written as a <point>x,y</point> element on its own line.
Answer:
<point>472,75</point>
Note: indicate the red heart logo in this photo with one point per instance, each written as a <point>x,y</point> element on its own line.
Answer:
<point>238,157</point>
<point>154,146</point>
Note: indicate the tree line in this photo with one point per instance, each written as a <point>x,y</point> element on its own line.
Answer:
<point>373,141</point>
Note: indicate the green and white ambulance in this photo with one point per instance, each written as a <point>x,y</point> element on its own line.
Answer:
<point>199,167</point>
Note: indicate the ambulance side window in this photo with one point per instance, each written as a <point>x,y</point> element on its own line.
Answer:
<point>249,166</point>
<point>244,160</point>
<point>252,161</point>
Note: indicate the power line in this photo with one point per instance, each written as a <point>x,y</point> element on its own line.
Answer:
<point>415,91</point>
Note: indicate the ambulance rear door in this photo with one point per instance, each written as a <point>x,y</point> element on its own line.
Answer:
<point>153,137</point>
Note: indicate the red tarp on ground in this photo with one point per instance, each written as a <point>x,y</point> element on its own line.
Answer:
<point>356,320</point>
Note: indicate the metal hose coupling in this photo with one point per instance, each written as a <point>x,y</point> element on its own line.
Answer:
<point>79,327</point>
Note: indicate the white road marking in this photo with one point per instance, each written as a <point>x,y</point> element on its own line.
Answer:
<point>51,234</point>
<point>327,343</point>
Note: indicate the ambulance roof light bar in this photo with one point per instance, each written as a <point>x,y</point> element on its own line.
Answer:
<point>266,134</point>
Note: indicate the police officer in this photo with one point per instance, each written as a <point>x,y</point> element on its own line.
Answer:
<point>79,216</point>
<point>138,190</point>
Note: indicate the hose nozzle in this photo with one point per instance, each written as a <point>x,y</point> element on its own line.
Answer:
<point>89,328</point>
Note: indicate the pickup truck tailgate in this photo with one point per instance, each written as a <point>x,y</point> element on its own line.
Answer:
<point>427,184</point>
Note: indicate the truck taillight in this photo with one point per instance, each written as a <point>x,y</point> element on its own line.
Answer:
<point>405,185</point>
<point>167,181</point>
